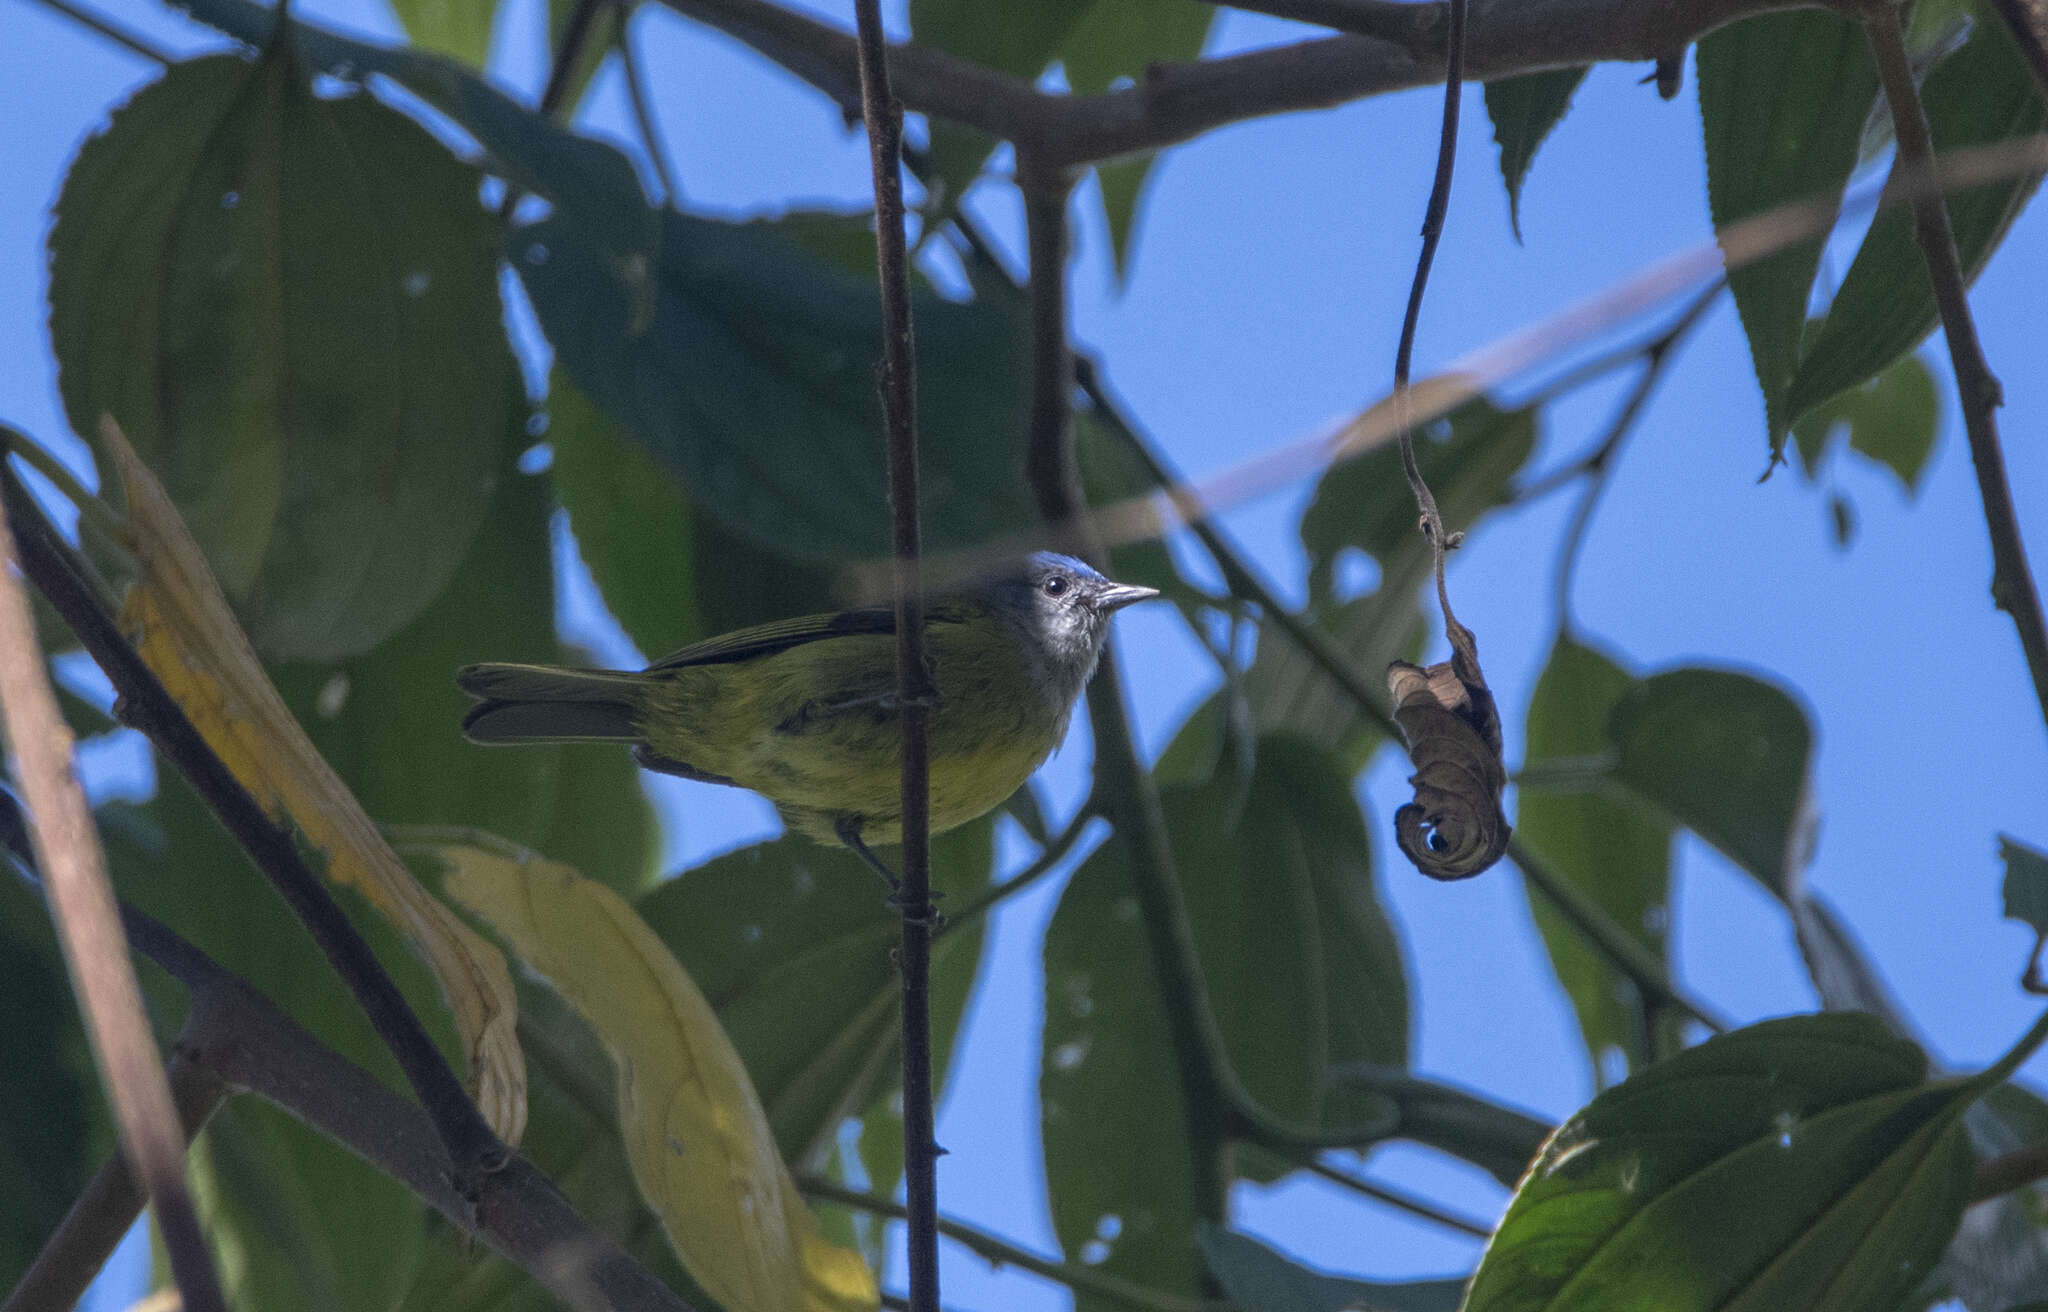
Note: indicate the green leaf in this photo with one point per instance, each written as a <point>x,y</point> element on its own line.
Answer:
<point>1893,419</point>
<point>752,380</point>
<point>1303,970</point>
<point>1121,39</point>
<point>1783,99</point>
<point>1524,110</point>
<point>631,519</point>
<point>1114,1121</point>
<point>2026,883</point>
<point>607,30</point>
<point>1980,95</point>
<point>390,722</point>
<point>1258,1279</point>
<point>790,940</point>
<point>1016,39</point>
<point>1727,756</point>
<point>461,28</point>
<point>588,182</point>
<point>290,305</point>
<point>53,1131</point>
<point>1618,854</point>
<point>1799,1163</point>
<point>1467,457</point>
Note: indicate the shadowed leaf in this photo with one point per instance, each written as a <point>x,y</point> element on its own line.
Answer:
<point>1258,1279</point>
<point>1524,110</point>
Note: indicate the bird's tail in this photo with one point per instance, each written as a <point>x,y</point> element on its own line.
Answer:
<point>545,703</point>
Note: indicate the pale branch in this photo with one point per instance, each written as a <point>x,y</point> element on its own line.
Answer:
<point>1172,103</point>
<point>1977,389</point>
<point>915,690</point>
<point>145,704</point>
<point>81,901</point>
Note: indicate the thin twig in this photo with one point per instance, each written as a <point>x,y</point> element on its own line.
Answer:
<point>2010,1171</point>
<point>81,902</point>
<point>119,36</point>
<point>1080,1279</point>
<point>1047,860</point>
<point>1599,465</point>
<point>914,691</point>
<point>576,35</point>
<point>1977,389</point>
<point>1398,1198</point>
<point>643,116</point>
<point>145,705</point>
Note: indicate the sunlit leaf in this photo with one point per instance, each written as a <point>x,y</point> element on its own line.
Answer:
<point>1893,419</point>
<point>792,941</point>
<point>696,1134</point>
<point>1617,854</point>
<point>1524,110</point>
<point>1783,98</point>
<point>1799,1163</point>
<point>190,640</point>
<point>461,28</point>
<point>290,303</point>
<point>1980,95</point>
<point>1727,756</point>
<point>1258,1279</point>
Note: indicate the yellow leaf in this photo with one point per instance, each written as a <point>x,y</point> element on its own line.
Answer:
<point>695,1132</point>
<point>184,629</point>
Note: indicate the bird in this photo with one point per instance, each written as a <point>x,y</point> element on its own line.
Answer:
<point>804,711</point>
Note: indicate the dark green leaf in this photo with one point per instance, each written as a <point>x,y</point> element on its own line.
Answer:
<point>52,1129</point>
<point>1288,692</point>
<point>1017,39</point>
<point>290,304</point>
<point>1726,755</point>
<point>1841,971</point>
<point>631,520</point>
<point>752,380</point>
<point>1893,419</point>
<point>2026,883</point>
<point>1121,39</point>
<point>1980,95</point>
<point>587,181</point>
<point>791,943</point>
<point>1524,110</point>
<point>1303,970</point>
<point>1258,1279</point>
<point>1467,457</point>
<point>1783,98</point>
<point>390,722</point>
<point>1114,1121</point>
<point>1799,1163</point>
<point>1616,853</point>
<point>2001,1257</point>
<point>461,28</point>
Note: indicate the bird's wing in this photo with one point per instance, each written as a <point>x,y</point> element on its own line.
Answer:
<point>781,635</point>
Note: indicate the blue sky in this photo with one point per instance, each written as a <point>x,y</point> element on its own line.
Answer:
<point>1263,303</point>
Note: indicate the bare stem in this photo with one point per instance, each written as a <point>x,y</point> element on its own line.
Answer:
<point>1977,389</point>
<point>145,705</point>
<point>914,692</point>
<point>89,929</point>
<point>1398,1199</point>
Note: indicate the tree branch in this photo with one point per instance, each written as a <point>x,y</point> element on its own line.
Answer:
<point>915,693</point>
<point>81,901</point>
<point>239,1035</point>
<point>1173,103</point>
<point>1398,1199</point>
<point>145,705</point>
<point>1977,389</point>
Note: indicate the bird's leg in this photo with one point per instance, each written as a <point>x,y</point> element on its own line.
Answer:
<point>847,828</point>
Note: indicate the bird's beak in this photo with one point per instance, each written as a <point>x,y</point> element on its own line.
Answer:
<point>1116,596</point>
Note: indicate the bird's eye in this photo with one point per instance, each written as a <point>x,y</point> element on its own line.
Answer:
<point>1055,585</point>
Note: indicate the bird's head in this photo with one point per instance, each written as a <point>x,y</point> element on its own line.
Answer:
<point>1061,608</point>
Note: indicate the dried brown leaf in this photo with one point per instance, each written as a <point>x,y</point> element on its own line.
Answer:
<point>1455,827</point>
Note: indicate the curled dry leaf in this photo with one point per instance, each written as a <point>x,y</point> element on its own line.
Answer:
<point>695,1132</point>
<point>1455,827</point>
<point>185,631</point>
